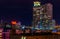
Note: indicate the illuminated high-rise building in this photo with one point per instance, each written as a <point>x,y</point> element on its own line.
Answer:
<point>50,10</point>
<point>36,12</point>
<point>42,15</point>
<point>46,16</point>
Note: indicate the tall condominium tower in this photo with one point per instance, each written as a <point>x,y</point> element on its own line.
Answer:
<point>49,10</point>
<point>46,16</point>
<point>42,15</point>
<point>36,12</point>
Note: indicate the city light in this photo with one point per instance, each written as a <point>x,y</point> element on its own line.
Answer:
<point>13,22</point>
<point>23,27</point>
<point>23,37</point>
<point>37,3</point>
<point>42,23</point>
<point>17,31</point>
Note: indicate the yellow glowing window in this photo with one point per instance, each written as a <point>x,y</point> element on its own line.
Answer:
<point>36,3</point>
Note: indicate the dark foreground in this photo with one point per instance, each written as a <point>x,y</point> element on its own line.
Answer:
<point>36,36</point>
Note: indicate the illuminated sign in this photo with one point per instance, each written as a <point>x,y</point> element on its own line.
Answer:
<point>37,3</point>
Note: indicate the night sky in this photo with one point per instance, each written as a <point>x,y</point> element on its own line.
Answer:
<point>21,10</point>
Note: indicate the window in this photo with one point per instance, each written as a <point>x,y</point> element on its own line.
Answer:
<point>37,3</point>
<point>23,37</point>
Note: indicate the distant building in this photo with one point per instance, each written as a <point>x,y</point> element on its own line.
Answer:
<point>42,15</point>
<point>36,12</point>
<point>18,25</point>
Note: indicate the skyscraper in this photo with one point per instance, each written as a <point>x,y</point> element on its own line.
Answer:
<point>46,16</point>
<point>36,12</point>
<point>49,10</point>
<point>42,15</point>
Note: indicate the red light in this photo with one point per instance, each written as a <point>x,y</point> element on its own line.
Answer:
<point>14,22</point>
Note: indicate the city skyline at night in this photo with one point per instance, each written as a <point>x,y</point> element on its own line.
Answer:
<point>22,10</point>
<point>29,19</point>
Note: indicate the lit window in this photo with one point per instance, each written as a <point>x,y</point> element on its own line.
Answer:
<point>45,16</point>
<point>23,37</point>
<point>33,14</point>
<point>17,31</point>
<point>36,3</point>
<point>46,21</point>
<point>27,31</point>
<point>51,28</point>
<point>41,13</point>
<point>54,31</point>
<point>40,28</point>
<point>38,11</point>
<point>8,26</point>
<point>40,17</point>
<point>34,9</point>
<point>50,23</point>
<point>37,14</point>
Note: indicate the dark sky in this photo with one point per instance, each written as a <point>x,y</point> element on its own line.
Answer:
<point>21,10</point>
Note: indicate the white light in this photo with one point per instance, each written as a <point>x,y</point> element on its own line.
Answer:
<point>23,37</point>
<point>23,27</point>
